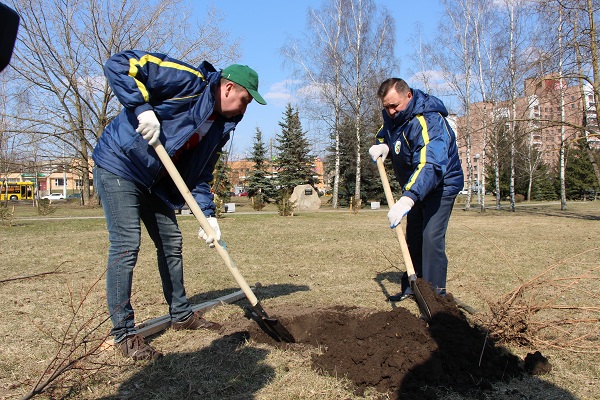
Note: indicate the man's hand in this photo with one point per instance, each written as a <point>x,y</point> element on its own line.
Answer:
<point>209,239</point>
<point>399,210</point>
<point>379,150</point>
<point>149,127</point>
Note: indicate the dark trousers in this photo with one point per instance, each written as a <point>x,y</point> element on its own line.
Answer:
<point>426,225</point>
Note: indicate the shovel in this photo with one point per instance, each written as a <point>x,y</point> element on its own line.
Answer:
<point>270,326</point>
<point>410,270</point>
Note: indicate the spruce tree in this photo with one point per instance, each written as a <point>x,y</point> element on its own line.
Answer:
<point>260,186</point>
<point>580,179</point>
<point>294,163</point>
<point>543,188</point>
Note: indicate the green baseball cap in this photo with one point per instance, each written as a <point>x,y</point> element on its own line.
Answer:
<point>246,77</point>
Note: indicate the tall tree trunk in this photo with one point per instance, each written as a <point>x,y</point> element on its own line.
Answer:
<point>336,172</point>
<point>563,192</point>
<point>596,70</point>
<point>85,171</point>
<point>483,159</point>
<point>497,182</point>
<point>513,96</point>
<point>357,199</point>
<point>584,122</point>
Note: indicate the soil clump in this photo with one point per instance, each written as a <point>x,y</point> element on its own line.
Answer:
<point>397,352</point>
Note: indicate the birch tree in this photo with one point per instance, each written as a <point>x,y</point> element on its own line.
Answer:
<point>515,67</point>
<point>591,9</point>
<point>454,53</point>
<point>550,14</point>
<point>317,59</point>
<point>589,134</point>
<point>369,44</point>
<point>563,196</point>
<point>485,56</point>
<point>571,53</point>
<point>351,51</point>
<point>11,157</point>
<point>61,50</point>
<point>580,15</point>
<point>512,89</point>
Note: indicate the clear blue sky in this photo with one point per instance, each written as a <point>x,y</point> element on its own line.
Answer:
<point>263,27</point>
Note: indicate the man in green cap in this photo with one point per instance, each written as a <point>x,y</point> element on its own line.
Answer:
<point>191,111</point>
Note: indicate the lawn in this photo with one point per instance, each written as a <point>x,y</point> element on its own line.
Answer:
<point>317,259</point>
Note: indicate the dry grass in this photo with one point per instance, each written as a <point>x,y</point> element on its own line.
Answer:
<point>319,259</point>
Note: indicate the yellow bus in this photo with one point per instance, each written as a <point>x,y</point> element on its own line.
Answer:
<point>16,190</point>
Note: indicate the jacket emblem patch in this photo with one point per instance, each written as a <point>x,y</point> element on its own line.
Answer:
<point>397,146</point>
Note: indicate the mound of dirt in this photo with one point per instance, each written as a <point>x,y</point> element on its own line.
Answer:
<point>395,351</point>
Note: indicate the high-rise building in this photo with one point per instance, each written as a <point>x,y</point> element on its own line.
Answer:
<point>549,110</point>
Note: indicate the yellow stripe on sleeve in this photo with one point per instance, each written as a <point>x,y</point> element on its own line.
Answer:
<point>379,139</point>
<point>422,153</point>
<point>133,70</point>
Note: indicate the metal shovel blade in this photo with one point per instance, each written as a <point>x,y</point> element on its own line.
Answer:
<point>423,307</point>
<point>270,326</point>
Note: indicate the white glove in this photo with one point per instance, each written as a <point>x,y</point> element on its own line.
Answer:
<point>149,127</point>
<point>209,239</point>
<point>399,210</point>
<point>379,150</point>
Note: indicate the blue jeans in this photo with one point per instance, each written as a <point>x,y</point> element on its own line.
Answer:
<point>426,225</point>
<point>125,204</point>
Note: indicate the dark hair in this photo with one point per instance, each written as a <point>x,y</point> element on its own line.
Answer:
<point>399,84</point>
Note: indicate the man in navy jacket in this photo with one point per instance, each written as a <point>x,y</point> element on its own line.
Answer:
<point>425,158</point>
<point>191,111</point>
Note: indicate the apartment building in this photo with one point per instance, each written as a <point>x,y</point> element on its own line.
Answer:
<point>241,169</point>
<point>537,117</point>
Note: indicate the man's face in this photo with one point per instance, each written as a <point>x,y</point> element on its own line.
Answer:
<point>231,100</point>
<point>394,102</point>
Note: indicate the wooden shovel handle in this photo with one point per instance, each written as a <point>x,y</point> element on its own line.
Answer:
<point>193,205</point>
<point>410,269</point>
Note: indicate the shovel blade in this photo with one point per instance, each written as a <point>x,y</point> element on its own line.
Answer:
<point>423,307</point>
<point>270,326</point>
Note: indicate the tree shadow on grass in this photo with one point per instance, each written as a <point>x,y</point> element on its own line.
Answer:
<point>228,369</point>
<point>553,212</point>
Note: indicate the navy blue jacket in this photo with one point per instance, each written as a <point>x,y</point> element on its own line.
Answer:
<point>423,148</point>
<point>182,97</point>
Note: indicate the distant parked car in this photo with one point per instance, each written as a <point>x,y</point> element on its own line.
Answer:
<point>74,196</point>
<point>243,194</point>
<point>474,190</point>
<point>54,196</point>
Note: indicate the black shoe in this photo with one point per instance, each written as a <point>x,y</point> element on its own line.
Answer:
<point>400,297</point>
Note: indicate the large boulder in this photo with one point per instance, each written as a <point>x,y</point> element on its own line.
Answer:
<point>305,198</point>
